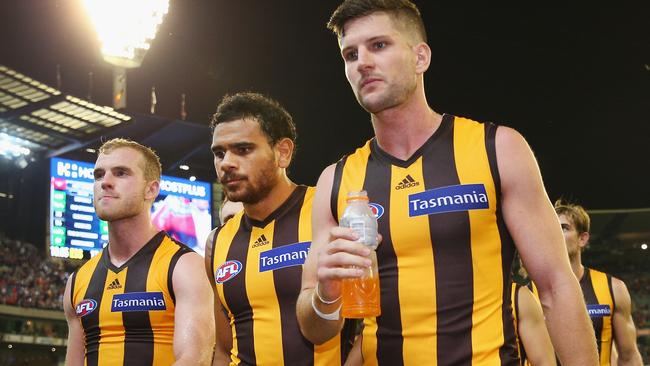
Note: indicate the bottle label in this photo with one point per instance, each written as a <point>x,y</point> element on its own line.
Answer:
<point>359,227</point>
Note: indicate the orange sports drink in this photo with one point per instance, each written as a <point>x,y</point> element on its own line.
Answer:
<point>360,296</point>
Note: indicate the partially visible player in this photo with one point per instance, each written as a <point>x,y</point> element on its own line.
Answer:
<point>608,300</point>
<point>535,347</point>
<point>144,299</point>
<point>229,209</point>
<point>256,264</point>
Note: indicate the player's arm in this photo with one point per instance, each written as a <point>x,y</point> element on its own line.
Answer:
<point>222,326</point>
<point>624,330</point>
<point>194,320</point>
<point>532,330</point>
<point>76,345</point>
<point>355,357</point>
<point>332,250</point>
<point>535,228</point>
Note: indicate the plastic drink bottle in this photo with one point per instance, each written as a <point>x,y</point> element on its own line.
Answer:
<point>361,295</point>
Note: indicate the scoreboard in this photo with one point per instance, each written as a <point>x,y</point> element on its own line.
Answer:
<point>183,209</point>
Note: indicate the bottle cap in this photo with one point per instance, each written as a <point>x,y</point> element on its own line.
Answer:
<point>357,196</point>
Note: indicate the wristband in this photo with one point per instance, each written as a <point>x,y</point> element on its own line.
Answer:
<point>330,316</point>
<point>320,298</point>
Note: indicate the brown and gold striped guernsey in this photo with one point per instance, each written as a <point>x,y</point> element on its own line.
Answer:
<point>597,290</point>
<point>127,313</point>
<point>523,357</point>
<point>257,268</point>
<point>446,255</point>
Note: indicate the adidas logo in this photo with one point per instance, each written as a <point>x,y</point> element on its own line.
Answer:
<point>407,182</point>
<point>114,285</point>
<point>260,241</point>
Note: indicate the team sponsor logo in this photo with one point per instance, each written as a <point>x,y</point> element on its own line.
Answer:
<point>377,209</point>
<point>463,197</point>
<point>138,301</point>
<point>114,285</point>
<point>260,241</point>
<point>228,270</point>
<point>598,311</point>
<point>284,256</point>
<point>85,307</point>
<point>407,182</point>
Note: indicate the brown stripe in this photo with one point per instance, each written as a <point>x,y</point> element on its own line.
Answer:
<point>297,350</point>
<point>590,298</point>
<point>183,249</point>
<point>336,186</point>
<point>234,292</point>
<point>389,325</point>
<point>138,334</point>
<point>90,322</point>
<point>452,256</point>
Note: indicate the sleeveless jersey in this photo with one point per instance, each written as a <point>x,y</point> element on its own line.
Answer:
<point>257,269</point>
<point>597,290</point>
<point>127,313</point>
<point>446,255</point>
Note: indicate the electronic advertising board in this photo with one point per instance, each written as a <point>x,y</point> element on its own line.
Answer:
<point>183,209</point>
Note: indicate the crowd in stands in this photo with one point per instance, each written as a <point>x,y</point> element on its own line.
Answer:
<point>28,279</point>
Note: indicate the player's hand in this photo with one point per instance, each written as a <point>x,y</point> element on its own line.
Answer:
<point>343,257</point>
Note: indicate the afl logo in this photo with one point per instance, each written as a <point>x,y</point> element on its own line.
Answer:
<point>86,307</point>
<point>377,209</point>
<point>228,271</point>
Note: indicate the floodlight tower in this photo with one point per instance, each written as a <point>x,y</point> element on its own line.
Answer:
<point>125,29</point>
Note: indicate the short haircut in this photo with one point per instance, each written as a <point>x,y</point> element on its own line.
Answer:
<point>575,213</point>
<point>403,12</point>
<point>274,120</point>
<point>152,168</point>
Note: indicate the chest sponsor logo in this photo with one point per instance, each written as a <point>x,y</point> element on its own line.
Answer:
<point>85,307</point>
<point>598,311</point>
<point>227,271</point>
<point>138,301</point>
<point>462,197</point>
<point>377,209</point>
<point>284,256</point>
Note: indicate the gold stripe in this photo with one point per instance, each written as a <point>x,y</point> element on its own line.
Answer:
<point>260,286</point>
<point>221,247</point>
<point>601,288</point>
<point>111,345</point>
<point>513,301</point>
<point>416,274</point>
<point>473,168</point>
<point>355,174</point>
<point>162,322</point>
<point>369,344</point>
<point>82,279</point>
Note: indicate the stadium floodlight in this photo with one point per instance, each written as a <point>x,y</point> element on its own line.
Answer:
<point>12,147</point>
<point>126,28</point>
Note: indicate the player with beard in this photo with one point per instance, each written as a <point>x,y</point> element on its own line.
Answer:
<point>135,303</point>
<point>454,198</point>
<point>608,300</point>
<point>255,259</point>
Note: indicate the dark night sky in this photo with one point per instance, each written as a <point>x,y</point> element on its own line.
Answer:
<point>574,81</point>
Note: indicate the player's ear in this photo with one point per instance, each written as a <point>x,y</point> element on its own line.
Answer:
<point>423,57</point>
<point>284,152</point>
<point>152,190</point>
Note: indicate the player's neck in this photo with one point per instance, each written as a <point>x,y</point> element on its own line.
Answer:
<point>278,195</point>
<point>577,267</point>
<point>403,129</point>
<point>126,237</point>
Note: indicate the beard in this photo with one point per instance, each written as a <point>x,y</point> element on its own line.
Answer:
<point>126,211</point>
<point>393,96</point>
<point>255,190</point>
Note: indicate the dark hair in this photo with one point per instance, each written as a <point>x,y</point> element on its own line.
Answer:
<point>403,11</point>
<point>275,121</point>
<point>576,213</point>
